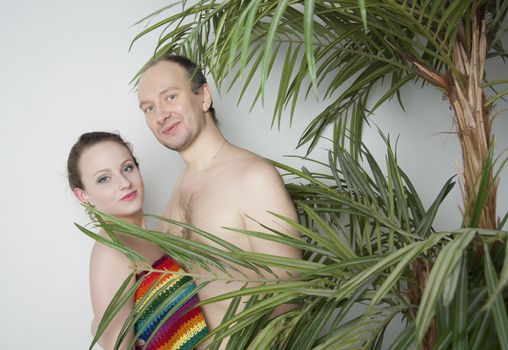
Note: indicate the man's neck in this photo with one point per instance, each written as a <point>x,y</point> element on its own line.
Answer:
<point>205,149</point>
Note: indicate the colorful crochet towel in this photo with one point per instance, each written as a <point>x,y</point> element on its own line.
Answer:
<point>159,295</point>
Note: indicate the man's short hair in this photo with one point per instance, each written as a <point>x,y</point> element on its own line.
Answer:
<point>194,73</point>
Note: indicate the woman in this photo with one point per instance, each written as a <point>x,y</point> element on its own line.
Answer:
<point>103,172</point>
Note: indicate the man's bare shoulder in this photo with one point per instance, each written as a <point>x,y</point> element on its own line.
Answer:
<point>250,167</point>
<point>260,190</point>
<point>255,177</point>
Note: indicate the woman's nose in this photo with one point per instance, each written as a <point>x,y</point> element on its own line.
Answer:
<point>124,182</point>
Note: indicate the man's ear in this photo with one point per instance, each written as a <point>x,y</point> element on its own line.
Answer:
<point>206,97</point>
<point>81,195</point>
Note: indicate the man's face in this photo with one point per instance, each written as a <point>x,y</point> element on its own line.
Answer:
<point>172,111</point>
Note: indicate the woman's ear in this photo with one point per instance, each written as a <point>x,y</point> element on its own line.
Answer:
<point>81,195</point>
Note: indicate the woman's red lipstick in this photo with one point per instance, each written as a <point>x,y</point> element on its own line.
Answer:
<point>130,196</point>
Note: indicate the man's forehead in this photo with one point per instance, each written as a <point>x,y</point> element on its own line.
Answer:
<point>164,72</point>
<point>157,83</point>
<point>167,68</point>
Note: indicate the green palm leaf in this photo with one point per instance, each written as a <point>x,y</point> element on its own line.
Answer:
<point>498,308</point>
<point>363,228</point>
<point>445,264</point>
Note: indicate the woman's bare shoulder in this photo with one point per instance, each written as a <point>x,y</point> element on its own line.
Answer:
<point>105,260</point>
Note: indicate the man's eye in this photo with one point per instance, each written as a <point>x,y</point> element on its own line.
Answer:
<point>148,109</point>
<point>171,97</point>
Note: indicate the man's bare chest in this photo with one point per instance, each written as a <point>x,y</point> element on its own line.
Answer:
<point>209,207</point>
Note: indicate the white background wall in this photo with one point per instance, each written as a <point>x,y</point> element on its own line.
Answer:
<point>64,70</point>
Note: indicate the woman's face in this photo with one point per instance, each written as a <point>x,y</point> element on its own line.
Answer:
<point>111,180</point>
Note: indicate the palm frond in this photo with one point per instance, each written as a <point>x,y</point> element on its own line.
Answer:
<point>358,247</point>
<point>359,41</point>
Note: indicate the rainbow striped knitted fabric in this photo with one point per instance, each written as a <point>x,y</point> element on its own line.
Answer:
<point>157,296</point>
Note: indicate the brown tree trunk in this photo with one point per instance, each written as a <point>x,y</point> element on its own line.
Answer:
<point>472,120</point>
<point>420,270</point>
<point>464,88</point>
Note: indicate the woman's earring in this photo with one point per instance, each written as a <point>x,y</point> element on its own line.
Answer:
<point>88,211</point>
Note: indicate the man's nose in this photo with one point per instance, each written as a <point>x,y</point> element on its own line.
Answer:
<point>164,113</point>
<point>162,117</point>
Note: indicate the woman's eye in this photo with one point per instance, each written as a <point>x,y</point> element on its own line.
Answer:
<point>171,97</point>
<point>128,168</point>
<point>102,179</point>
<point>148,109</point>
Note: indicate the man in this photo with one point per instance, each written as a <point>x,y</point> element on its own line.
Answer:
<point>222,185</point>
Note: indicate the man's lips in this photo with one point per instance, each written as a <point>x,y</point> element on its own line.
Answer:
<point>170,128</point>
<point>130,196</point>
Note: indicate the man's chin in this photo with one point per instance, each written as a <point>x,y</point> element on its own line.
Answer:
<point>173,147</point>
<point>170,145</point>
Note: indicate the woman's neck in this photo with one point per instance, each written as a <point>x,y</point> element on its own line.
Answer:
<point>137,219</point>
<point>147,249</point>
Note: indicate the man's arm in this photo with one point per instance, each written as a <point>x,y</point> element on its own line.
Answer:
<point>266,193</point>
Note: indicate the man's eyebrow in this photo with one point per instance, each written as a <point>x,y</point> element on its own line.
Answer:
<point>164,91</point>
<point>142,103</point>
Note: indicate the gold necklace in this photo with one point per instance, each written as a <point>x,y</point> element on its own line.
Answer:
<point>215,156</point>
<point>186,203</point>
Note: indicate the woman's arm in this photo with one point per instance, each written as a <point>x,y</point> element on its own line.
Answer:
<point>108,270</point>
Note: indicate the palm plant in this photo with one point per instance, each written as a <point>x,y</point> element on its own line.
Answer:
<point>367,238</point>
<point>360,43</point>
<point>368,244</point>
